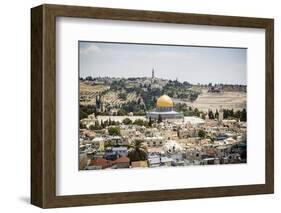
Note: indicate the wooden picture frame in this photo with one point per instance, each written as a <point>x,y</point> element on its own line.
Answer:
<point>43,105</point>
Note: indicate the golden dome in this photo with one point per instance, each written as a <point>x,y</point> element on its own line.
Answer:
<point>164,101</point>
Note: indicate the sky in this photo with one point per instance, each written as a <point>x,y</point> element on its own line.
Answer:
<point>185,63</point>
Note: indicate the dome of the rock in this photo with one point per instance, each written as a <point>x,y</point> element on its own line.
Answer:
<point>164,101</point>
<point>164,110</point>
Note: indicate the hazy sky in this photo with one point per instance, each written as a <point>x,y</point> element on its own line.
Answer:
<point>185,63</point>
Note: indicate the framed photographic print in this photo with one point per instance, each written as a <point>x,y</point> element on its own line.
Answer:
<point>136,106</point>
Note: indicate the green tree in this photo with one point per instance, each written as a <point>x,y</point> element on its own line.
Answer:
<point>106,123</point>
<point>127,121</point>
<point>97,125</point>
<point>113,130</point>
<point>82,126</point>
<point>102,124</point>
<point>196,112</point>
<point>140,112</point>
<point>217,114</point>
<point>211,115</point>
<point>159,119</point>
<point>243,115</point>
<point>139,122</point>
<point>225,114</point>
<point>231,113</point>
<point>122,96</point>
<point>203,116</point>
<point>121,112</point>
<point>150,122</point>
<point>92,127</point>
<point>137,151</point>
<point>237,114</point>
<point>201,133</point>
<point>82,114</point>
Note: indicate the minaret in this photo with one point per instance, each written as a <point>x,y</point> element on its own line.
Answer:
<point>153,76</point>
<point>220,114</point>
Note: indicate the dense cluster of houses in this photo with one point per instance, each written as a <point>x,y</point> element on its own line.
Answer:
<point>169,143</point>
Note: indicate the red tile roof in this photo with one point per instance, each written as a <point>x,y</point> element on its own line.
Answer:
<point>100,162</point>
<point>122,159</point>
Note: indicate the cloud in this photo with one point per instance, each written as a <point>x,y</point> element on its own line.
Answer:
<point>89,49</point>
